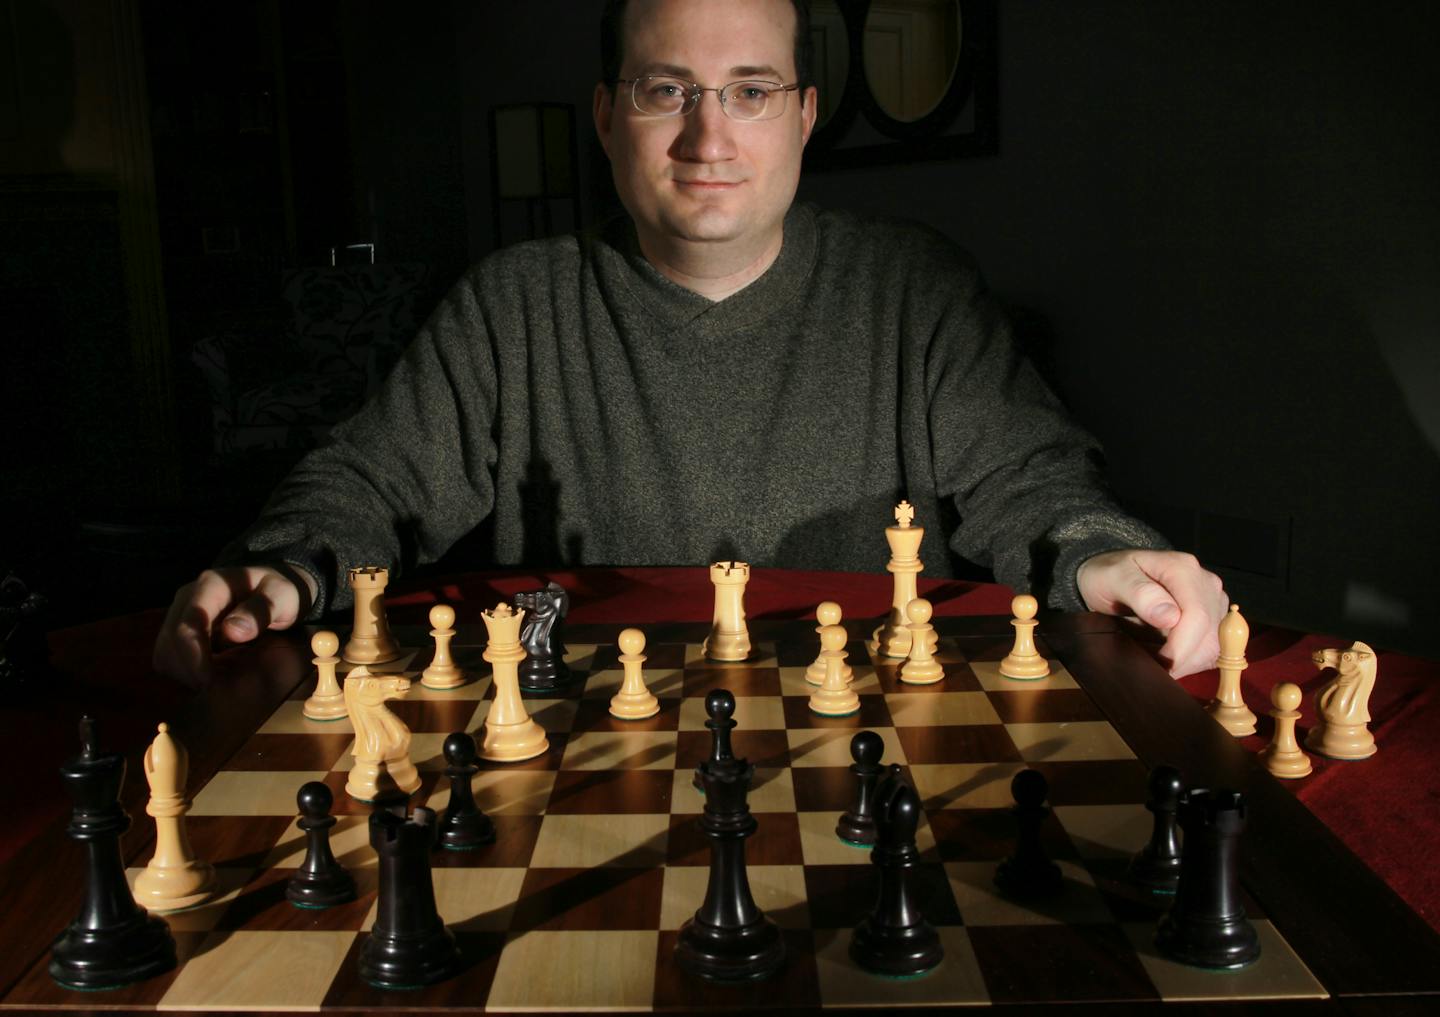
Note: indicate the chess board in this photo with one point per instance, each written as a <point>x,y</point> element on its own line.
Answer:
<point>598,860</point>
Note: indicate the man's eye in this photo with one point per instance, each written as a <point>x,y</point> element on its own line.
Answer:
<point>752,93</point>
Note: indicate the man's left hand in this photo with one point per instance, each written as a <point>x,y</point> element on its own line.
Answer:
<point>1168,590</point>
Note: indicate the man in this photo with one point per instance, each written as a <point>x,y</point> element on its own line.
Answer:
<point>723,373</point>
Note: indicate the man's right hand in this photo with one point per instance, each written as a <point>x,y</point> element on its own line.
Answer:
<point>223,607</point>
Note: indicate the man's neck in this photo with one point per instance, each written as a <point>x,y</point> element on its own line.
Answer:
<point>714,274</point>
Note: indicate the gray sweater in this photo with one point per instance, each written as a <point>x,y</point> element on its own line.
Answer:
<point>587,410</point>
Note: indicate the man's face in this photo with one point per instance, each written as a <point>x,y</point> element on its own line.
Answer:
<point>704,177</point>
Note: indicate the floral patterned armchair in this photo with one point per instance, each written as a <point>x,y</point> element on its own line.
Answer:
<point>347,327</point>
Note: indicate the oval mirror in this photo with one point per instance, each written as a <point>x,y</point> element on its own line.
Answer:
<point>911,50</point>
<point>831,48</point>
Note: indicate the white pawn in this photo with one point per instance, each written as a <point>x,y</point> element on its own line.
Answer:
<point>634,701</point>
<point>328,702</point>
<point>174,878</point>
<point>828,613</point>
<point>921,667</point>
<point>834,697</point>
<point>1283,756</point>
<point>442,672</point>
<point>1024,661</point>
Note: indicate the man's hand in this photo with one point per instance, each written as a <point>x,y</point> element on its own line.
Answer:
<point>1168,590</point>
<point>224,606</point>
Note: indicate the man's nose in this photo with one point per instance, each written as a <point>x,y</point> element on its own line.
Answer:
<point>707,135</point>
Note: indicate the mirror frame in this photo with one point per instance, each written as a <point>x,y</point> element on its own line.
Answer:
<point>972,85</point>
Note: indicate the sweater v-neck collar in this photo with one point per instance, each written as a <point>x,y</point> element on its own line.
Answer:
<point>677,309</point>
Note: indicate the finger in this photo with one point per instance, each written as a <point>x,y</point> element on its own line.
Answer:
<point>273,604</point>
<point>182,649</point>
<point>1192,646</point>
<point>1151,603</point>
<point>1193,642</point>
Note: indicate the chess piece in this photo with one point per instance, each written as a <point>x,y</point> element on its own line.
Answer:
<point>857,825</point>
<point>1024,661</point>
<point>370,638</point>
<point>113,941</point>
<point>409,945</point>
<point>634,701</point>
<point>1228,707</point>
<point>1283,756</point>
<point>729,938</point>
<point>834,698</point>
<point>382,741</point>
<point>1206,926</point>
<point>544,667</point>
<point>1343,704</point>
<point>719,705</point>
<point>892,638</point>
<point>321,881</point>
<point>328,700</point>
<point>921,667</point>
<point>175,878</point>
<point>1028,873</point>
<point>443,673</point>
<point>729,639</point>
<point>895,939</point>
<point>828,613</point>
<point>1156,866</point>
<point>464,827</point>
<point>510,733</point>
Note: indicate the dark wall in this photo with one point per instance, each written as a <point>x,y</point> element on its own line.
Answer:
<point>1227,215</point>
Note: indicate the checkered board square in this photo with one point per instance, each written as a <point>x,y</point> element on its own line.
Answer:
<point>598,859</point>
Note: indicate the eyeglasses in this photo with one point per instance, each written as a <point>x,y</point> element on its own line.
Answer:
<point>658,95</point>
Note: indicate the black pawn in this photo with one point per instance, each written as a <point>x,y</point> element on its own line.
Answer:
<point>1156,866</point>
<point>409,945</point>
<point>1206,926</point>
<point>729,938</point>
<point>1027,872</point>
<point>719,705</point>
<point>858,825</point>
<point>113,941</point>
<point>895,939</point>
<point>464,827</point>
<point>321,881</point>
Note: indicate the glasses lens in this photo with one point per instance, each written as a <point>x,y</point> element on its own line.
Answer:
<point>754,100</point>
<point>661,96</point>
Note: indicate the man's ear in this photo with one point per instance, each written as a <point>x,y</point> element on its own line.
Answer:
<point>809,109</point>
<point>602,110</point>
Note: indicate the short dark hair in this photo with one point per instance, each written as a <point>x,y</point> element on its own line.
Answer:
<point>612,53</point>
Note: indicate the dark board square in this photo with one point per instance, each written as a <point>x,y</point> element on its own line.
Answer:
<point>873,713</point>
<point>608,897</point>
<point>1094,782</point>
<point>823,788</point>
<point>763,748</point>
<point>776,841</point>
<point>262,906</point>
<point>272,752</point>
<point>594,715</point>
<point>515,838</point>
<point>435,716</point>
<point>840,896</point>
<point>960,743</point>
<point>1044,706</point>
<point>238,842</point>
<point>611,791</point>
<point>794,985</point>
<point>479,957</point>
<point>1044,963</point>
<point>702,679</point>
<point>969,835</point>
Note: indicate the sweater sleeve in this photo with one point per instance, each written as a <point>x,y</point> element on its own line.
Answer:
<point>402,480</point>
<point>1025,479</point>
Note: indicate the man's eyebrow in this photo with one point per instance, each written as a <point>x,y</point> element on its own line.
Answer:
<point>743,71</point>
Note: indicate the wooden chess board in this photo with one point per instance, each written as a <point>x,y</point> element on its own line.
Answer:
<point>598,860</point>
